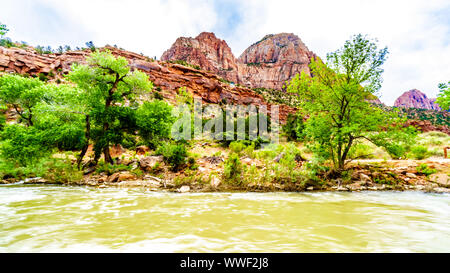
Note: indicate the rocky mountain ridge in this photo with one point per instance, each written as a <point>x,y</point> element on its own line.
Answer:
<point>268,63</point>
<point>167,77</point>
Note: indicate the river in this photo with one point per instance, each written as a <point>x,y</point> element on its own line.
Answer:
<point>81,219</point>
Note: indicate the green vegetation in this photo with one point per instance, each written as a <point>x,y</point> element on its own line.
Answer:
<point>233,170</point>
<point>424,169</point>
<point>335,100</point>
<point>107,83</point>
<point>104,106</point>
<point>444,96</point>
<point>173,154</point>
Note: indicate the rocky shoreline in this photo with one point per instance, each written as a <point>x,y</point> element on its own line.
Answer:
<point>153,183</point>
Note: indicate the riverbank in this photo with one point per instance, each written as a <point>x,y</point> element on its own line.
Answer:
<point>363,175</point>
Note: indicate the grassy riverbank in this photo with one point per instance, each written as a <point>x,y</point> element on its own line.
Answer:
<point>288,166</point>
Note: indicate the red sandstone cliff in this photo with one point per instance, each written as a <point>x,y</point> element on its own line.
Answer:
<point>169,77</point>
<point>268,63</point>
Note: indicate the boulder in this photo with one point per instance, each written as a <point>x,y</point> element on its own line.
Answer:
<point>142,150</point>
<point>122,176</point>
<point>215,182</point>
<point>149,162</point>
<point>184,189</point>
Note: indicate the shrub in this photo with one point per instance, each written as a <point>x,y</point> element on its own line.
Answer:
<point>396,151</point>
<point>22,145</point>
<point>361,150</point>
<point>154,120</point>
<point>237,146</point>
<point>173,154</point>
<point>60,171</point>
<point>294,127</point>
<point>233,169</point>
<point>109,169</point>
<point>419,152</point>
<point>424,169</point>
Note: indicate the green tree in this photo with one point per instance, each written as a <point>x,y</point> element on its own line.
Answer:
<point>110,89</point>
<point>154,120</point>
<point>444,96</point>
<point>22,94</point>
<point>336,98</point>
<point>3,30</point>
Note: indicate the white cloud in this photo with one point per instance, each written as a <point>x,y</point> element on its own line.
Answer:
<point>416,32</point>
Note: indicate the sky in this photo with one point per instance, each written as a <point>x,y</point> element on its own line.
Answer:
<point>416,32</point>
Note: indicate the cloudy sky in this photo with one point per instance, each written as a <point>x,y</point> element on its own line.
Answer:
<point>416,32</point>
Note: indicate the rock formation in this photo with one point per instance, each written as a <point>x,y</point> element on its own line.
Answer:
<point>416,99</point>
<point>168,77</point>
<point>268,63</point>
<point>206,51</point>
<point>273,60</point>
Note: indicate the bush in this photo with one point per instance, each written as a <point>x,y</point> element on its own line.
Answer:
<point>109,169</point>
<point>237,146</point>
<point>54,170</point>
<point>173,154</point>
<point>233,169</point>
<point>293,129</point>
<point>361,150</point>
<point>396,151</point>
<point>154,120</point>
<point>22,145</point>
<point>424,169</point>
<point>419,152</point>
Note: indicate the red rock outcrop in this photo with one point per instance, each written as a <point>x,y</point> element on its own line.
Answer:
<point>268,63</point>
<point>169,77</point>
<point>206,51</point>
<point>273,60</point>
<point>427,126</point>
<point>416,99</point>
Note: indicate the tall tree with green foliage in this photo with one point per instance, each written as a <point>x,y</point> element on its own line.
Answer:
<point>110,89</point>
<point>22,93</point>
<point>443,98</point>
<point>336,98</point>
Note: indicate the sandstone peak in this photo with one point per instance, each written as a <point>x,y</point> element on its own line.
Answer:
<point>416,99</point>
<point>206,51</point>
<point>268,63</point>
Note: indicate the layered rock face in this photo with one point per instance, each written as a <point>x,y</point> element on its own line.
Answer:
<point>273,60</point>
<point>268,63</point>
<point>169,77</point>
<point>416,99</point>
<point>206,51</point>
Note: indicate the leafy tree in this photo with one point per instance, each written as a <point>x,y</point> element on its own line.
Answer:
<point>154,120</point>
<point>444,96</point>
<point>22,94</point>
<point>90,45</point>
<point>3,30</point>
<point>336,98</point>
<point>294,127</point>
<point>22,146</point>
<point>109,86</point>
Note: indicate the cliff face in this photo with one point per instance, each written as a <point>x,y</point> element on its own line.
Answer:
<point>268,63</point>
<point>274,60</point>
<point>416,99</point>
<point>169,77</point>
<point>206,51</point>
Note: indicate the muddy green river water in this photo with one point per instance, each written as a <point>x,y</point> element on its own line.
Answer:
<point>79,219</point>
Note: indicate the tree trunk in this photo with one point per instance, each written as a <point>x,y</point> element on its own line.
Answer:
<point>87,134</point>
<point>106,153</point>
